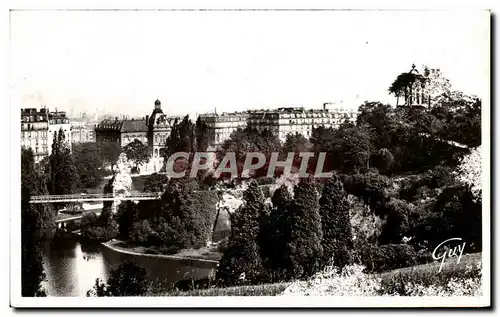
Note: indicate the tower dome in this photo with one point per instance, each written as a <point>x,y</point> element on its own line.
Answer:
<point>157,104</point>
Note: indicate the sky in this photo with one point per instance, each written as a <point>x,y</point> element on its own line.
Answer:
<point>120,62</point>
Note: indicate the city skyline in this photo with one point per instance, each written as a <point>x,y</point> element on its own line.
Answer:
<point>124,60</point>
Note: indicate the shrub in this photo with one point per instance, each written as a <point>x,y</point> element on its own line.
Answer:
<point>335,224</point>
<point>241,262</point>
<point>388,257</point>
<point>274,231</point>
<point>304,250</point>
<point>126,280</point>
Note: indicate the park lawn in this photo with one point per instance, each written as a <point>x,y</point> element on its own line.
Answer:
<point>425,274</point>
<point>428,274</point>
<point>205,253</point>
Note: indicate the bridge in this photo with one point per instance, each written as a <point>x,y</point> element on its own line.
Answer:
<point>93,197</point>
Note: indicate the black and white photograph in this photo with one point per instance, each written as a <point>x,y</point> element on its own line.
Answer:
<point>250,158</point>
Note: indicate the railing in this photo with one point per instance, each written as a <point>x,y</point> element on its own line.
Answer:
<point>93,197</point>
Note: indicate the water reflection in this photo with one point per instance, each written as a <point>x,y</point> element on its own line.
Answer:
<point>72,266</point>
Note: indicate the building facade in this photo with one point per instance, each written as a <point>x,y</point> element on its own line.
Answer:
<point>281,121</point>
<point>81,133</point>
<point>39,127</point>
<point>159,128</point>
<point>121,131</point>
<point>222,125</point>
<point>35,132</point>
<point>153,130</point>
<point>58,121</point>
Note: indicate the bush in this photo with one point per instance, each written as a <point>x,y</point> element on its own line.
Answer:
<point>304,250</point>
<point>126,280</point>
<point>388,257</point>
<point>241,263</point>
<point>335,224</point>
<point>101,232</point>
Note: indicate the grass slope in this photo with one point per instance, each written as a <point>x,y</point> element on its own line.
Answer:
<point>392,281</point>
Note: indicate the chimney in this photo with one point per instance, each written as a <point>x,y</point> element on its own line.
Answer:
<point>147,119</point>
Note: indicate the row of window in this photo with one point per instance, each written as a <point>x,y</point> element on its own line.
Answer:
<point>44,150</point>
<point>59,121</point>
<point>33,118</point>
<point>34,134</point>
<point>34,141</point>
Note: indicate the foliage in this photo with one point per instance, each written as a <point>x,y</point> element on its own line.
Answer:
<point>243,255</point>
<point>387,257</point>
<point>469,172</point>
<point>155,183</point>
<point>182,138</point>
<point>335,224</point>
<point>348,147</point>
<point>203,136</point>
<point>126,216</point>
<point>383,160</point>
<point>137,152</point>
<point>126,280</point>
<point>423,280</point>
<point>34,219</point>
<point>463,279</point>
<point>371,187</point>
<point>404,84</point>
<point>182,219</point>
<point>396,225</point>
<point>109,153</point>
<point>274,232</point>
<point>243,141</point>
<point>351,281</point>
<point>304,250</point>
<point>89,164</point>
<point>63,173</point>
<point>104,229</point>
<point>454,213</point>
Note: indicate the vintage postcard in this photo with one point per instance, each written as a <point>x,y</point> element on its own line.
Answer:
<point>196,158</point>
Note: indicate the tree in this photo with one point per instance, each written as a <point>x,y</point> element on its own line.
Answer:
<point>242,255</point>
<point>109,153</point>
<point>404,84</point>
<point>436,84</point>
<point>337,239</point>
<point>469,172</point>
<point>182,137</point>
<point>126,216</point>
<point>383,160</point>
<point>63,175</point>
<point>35,218</point>
<point>155,183</point>
<point>274,233</point>
<point>128,279</point>
<point>371,187</point>
<point>305,250</point>
<point>396,225</point>
<point>137,152</point>
<point>247,140</point>
<point>88,164</point>
<point>203,136</point>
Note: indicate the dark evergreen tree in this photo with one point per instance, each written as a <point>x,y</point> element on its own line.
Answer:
<point>335,220</point>
<point>35,218</point>
<point>274,234</point>
<point>305,250</point>
<point>63,175</point>
<point>203,136</point>
<point>241,260</point>
<point>126,216</point>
